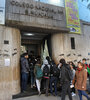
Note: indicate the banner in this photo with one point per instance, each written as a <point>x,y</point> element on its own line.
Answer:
<point>45,53</point>
<point>72,16</point>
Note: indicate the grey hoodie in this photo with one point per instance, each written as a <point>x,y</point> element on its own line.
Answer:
<point>45,62</point>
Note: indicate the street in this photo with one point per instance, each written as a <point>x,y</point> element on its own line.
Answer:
<point>43,97</point>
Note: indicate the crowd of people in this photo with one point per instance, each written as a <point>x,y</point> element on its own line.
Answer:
<point>65,75</point>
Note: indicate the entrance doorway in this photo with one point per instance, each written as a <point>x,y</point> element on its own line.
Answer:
<point>31,43</point>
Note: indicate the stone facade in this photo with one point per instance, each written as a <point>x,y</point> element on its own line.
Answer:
<point>63,44</point>
<point>9,62</point>
<point>31,16</point>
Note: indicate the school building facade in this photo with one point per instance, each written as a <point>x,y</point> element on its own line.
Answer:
<point>28,17</point>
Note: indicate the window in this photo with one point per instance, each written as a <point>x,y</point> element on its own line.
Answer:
<point>72,43</point>
<point>53,2</point>
<point>6,42</point>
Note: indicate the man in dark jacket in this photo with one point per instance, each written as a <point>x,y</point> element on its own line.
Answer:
<point>54,74</point>
<point>65,79</point>
<point>24,71</point>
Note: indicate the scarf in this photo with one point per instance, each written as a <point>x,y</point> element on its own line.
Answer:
<point>79,69</point>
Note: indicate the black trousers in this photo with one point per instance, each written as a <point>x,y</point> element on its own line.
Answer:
<point>66,90</point>
<point>46,85</point>
<point>73,89</point>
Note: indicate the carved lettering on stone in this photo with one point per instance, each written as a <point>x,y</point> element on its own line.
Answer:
<point>37,10</point>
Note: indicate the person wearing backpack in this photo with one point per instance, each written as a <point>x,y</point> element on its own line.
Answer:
<point>66,77</point>
<point>38,75</point>
<point>54,74</point>
<point>46,72</point>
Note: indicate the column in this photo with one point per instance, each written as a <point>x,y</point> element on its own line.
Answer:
<point>9,62</point>
<point>57,42</point>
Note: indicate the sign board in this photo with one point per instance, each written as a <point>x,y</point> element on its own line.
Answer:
<point>72,16</point>
<point>35,14</point>
<point>7,62</point>
<point>2,12</point>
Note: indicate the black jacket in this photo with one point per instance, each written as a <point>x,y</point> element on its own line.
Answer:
<point>65,74</point>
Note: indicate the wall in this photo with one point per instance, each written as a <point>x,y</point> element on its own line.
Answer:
<point>57,46</point>
<point>82,46</point>
<point>9,72</point>
<point>61,45</point>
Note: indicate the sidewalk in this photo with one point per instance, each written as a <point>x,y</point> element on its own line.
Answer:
<point>43,97</point>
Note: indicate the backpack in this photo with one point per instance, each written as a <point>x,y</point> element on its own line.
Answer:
<point>88,70</point>
<point>31,66</point>
<point>56,71</point>
<point>39,73</point>
<point>46,70</point>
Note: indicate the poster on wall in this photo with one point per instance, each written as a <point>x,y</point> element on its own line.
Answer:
<point>7,62</point>
<point>72,16</point>
<point>2,12</point>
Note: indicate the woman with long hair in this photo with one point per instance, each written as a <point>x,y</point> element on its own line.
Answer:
<point>80,80</point>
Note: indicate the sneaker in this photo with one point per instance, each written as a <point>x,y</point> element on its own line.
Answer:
<point>24,91</point>
<point>55,95</point>
<point>46,95</point>
<point>39,93</point>
<point>51,94</point>
<point>73,94</point>
<point>31,86</point>
<point>34,86</point>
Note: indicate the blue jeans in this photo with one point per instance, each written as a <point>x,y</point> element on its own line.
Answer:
<point>32,77</point>
<point>53,80</point>
<point>24,81</point>
<point>81,92</point>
